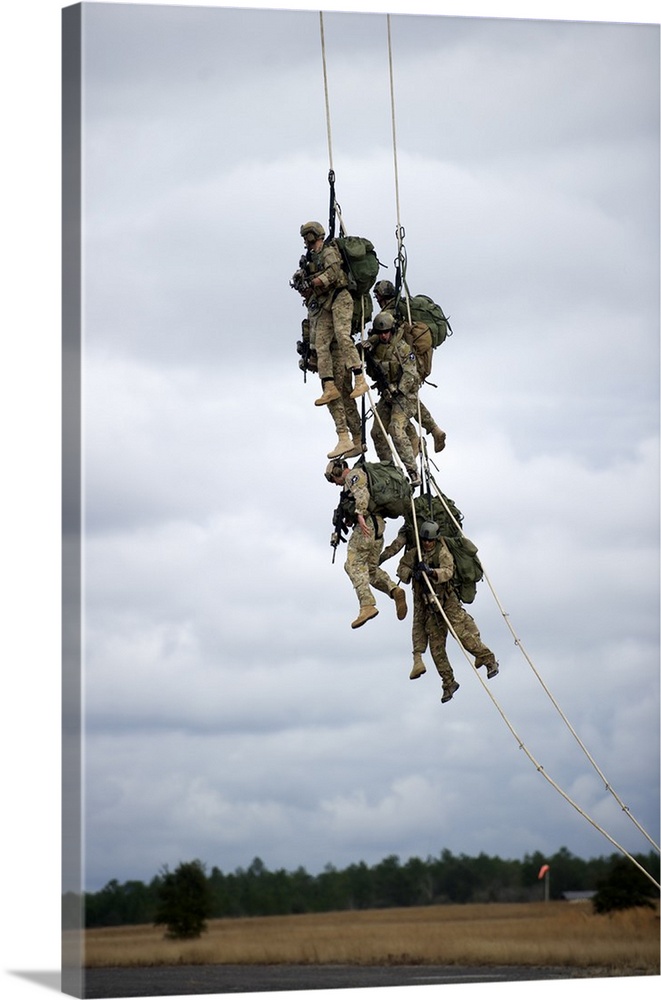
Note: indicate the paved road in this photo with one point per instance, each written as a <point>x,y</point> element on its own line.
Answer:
<point>184,980</point>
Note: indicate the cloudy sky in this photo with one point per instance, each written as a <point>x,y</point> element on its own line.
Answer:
<point>230,711</point>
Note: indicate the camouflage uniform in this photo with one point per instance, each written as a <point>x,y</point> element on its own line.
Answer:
<point>363,551</point>
<point>398,403</point>
<point>331,319</point>
<point>420,335</point>
<point>429,626</point>
<point>344,411</point>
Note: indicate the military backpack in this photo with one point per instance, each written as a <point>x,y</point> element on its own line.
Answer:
<point>425,310</point>
<point>468,569</point>
<point>390,490</point>
<point>361,265</point>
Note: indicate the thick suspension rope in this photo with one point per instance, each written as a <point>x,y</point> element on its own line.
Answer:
<point>323,61</point>
<point>399,231</point>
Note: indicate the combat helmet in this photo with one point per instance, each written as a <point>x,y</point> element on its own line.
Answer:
<point>429,531</point>
<point>383,321</point>
<point>384,289</point>
<point>315,229</point>
<point>334,468</point>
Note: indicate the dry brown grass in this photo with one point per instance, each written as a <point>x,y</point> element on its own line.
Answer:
<point>551,934</point>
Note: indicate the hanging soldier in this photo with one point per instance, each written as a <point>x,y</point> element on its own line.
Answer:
<point>356,510</point>
<point>390,361</point>
<point>323,282</point>
<point>419,336</point>
<point>429,625</point>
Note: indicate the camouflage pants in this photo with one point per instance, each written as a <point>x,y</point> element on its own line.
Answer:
<point>395,415</point>
<point>429,627</point>
<point>334,324</point>
<point>426,420</point>
<point>344,411</point>
<point>362,562</point>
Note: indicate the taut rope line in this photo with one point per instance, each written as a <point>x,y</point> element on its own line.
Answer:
<point>323,61</point>
<point>521,647</point>
<point>528,754</point>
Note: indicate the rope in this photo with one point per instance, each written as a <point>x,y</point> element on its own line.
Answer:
<point>323,61</point>
<point>528,754</point>
<point>399,231</point>
<point>520,646</point>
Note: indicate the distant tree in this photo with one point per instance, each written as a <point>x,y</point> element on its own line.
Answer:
<point>184,900</point>
<point>623,887</point>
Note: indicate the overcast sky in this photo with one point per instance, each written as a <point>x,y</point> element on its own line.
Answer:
<point>231,712</point>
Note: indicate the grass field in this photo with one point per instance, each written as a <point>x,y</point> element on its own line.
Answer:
<point>533,934</point>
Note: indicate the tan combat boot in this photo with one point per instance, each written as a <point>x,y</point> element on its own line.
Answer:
<point>399,597</point>
<point>360,386</point>
<point>439,438</point>
<point>366,612</point>
<point>344,445</point>
<point>330,393</point>
<point>418,668</point>
<point>357,447</point>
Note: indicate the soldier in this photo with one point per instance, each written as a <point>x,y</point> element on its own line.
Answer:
<point>429,626</point>
<point>420,338</point>
<point>333,313</point>
<point>365,542</point>
<point>390,361</point>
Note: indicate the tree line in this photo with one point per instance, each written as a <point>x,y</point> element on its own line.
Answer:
<point>449,878</point>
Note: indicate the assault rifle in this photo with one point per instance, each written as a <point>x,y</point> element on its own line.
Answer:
<point>303,348</point>
<point>339,527</point>
<point>300,281</point>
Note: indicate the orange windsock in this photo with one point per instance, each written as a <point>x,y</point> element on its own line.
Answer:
<point>543,870</point>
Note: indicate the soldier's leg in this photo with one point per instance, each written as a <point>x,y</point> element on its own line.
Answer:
<point>438,634</point>
<point>342,313</point>
<point>469,635</point>
<point>431,427</point>
<point>339,417</point>
<point>397,429</point>
<point>323,337</point>
<point>419,637</point>
<point>353,422</point>
<point>380,580</point>
<point>357,569</point>
<point>413,437</point>
<point>379,440</point>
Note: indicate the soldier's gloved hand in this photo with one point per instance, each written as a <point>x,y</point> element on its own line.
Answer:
<point>423,568</point>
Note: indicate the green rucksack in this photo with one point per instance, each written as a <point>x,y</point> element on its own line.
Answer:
<point>436,512</point>
<point>361,264</point>
<point>390,490</point>
<point>425,310</point>
<point>467,567</point>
